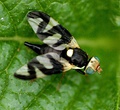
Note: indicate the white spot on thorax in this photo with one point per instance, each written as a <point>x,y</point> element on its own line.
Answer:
<point>70,52</point>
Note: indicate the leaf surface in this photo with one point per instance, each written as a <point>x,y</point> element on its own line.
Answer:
<point>95,25</point>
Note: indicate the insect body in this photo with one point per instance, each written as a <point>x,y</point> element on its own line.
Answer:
<point>59,53</point>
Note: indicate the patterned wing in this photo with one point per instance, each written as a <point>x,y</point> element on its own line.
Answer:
<point>41,66</point>
<point>50,31</point>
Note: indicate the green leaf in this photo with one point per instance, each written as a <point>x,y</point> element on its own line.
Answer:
<point>95,25</point>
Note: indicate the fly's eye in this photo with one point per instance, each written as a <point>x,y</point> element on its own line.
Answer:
<point>97,59</point>
<point>89,70</point>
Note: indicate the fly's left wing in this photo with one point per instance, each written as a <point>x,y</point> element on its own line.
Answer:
<point>50,31</point>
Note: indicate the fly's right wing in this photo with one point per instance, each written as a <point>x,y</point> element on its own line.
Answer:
<point>41,66</point>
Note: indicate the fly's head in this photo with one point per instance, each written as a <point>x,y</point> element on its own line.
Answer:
<point>93,66</point>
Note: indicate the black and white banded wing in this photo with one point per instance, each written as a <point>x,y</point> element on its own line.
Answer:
<point>40,66</point>
<point>50,31</point>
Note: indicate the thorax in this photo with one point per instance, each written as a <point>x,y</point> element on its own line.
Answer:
<point>75,56</point>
